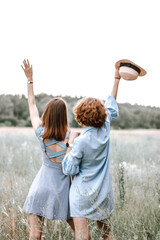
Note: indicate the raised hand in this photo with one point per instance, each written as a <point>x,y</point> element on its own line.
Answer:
<point>27,70</point>
<point>117,75</point>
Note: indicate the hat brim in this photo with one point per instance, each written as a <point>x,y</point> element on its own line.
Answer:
<point>142,71</point>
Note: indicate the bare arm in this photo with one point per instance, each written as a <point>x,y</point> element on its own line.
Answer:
<point>116,84</point>
<point>72,136</point>
<point>34,114</point>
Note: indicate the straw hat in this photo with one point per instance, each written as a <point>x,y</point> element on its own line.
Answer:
<point>128,70</point>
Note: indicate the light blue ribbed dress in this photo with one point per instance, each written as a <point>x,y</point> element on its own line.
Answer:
<point>49,193</point>
<point>91,193</point>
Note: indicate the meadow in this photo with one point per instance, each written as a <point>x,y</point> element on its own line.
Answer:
<point>135,170</point>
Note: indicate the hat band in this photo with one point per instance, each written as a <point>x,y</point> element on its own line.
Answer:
<point>131,66</point>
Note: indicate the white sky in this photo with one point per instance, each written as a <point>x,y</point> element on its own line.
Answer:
<point>73,46</point>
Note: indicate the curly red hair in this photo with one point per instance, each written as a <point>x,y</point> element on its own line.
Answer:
<point>90,112</point>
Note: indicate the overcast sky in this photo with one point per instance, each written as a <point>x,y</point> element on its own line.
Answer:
<point>73,46</point>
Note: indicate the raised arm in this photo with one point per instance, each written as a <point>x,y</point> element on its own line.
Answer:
<point>116,84</point>
<point>34,114</point>
<point>111,104</point>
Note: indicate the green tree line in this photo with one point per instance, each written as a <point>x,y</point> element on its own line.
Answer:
<point>14,112</point>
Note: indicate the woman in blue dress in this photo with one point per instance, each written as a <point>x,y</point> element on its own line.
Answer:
<point>49,193</point>
<point>87,158</point>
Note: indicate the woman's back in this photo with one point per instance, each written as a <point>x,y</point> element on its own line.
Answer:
<point>91,193</point>
<point>48,194</point>
<point>53,150</point>
<point>95,141</point>
<point>56,150</point>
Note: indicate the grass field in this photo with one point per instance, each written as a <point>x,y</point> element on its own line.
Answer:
<point>135,170</point>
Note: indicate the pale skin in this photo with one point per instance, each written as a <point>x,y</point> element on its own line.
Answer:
<point>81,229</point>
<point>36,222</point>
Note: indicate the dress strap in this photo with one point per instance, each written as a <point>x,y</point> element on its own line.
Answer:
<point>50,142</point>
<point>61,144</point>
<point>55,154</point>
<point>53,141</point>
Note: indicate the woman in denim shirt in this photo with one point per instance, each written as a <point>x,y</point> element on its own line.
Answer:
<point>87,158</point>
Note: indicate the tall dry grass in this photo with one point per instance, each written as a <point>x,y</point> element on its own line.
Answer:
<point>135,167</point>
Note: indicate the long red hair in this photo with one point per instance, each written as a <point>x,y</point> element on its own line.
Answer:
<point>54,119</point>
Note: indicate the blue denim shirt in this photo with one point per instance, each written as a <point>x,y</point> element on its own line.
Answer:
<point>91,193</point>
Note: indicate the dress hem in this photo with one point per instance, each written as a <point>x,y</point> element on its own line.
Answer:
<point>42,215</point>
<point>97,219</point>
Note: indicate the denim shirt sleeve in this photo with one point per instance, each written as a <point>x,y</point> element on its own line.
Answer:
<point>72,160</point>
<point>111,108</point>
